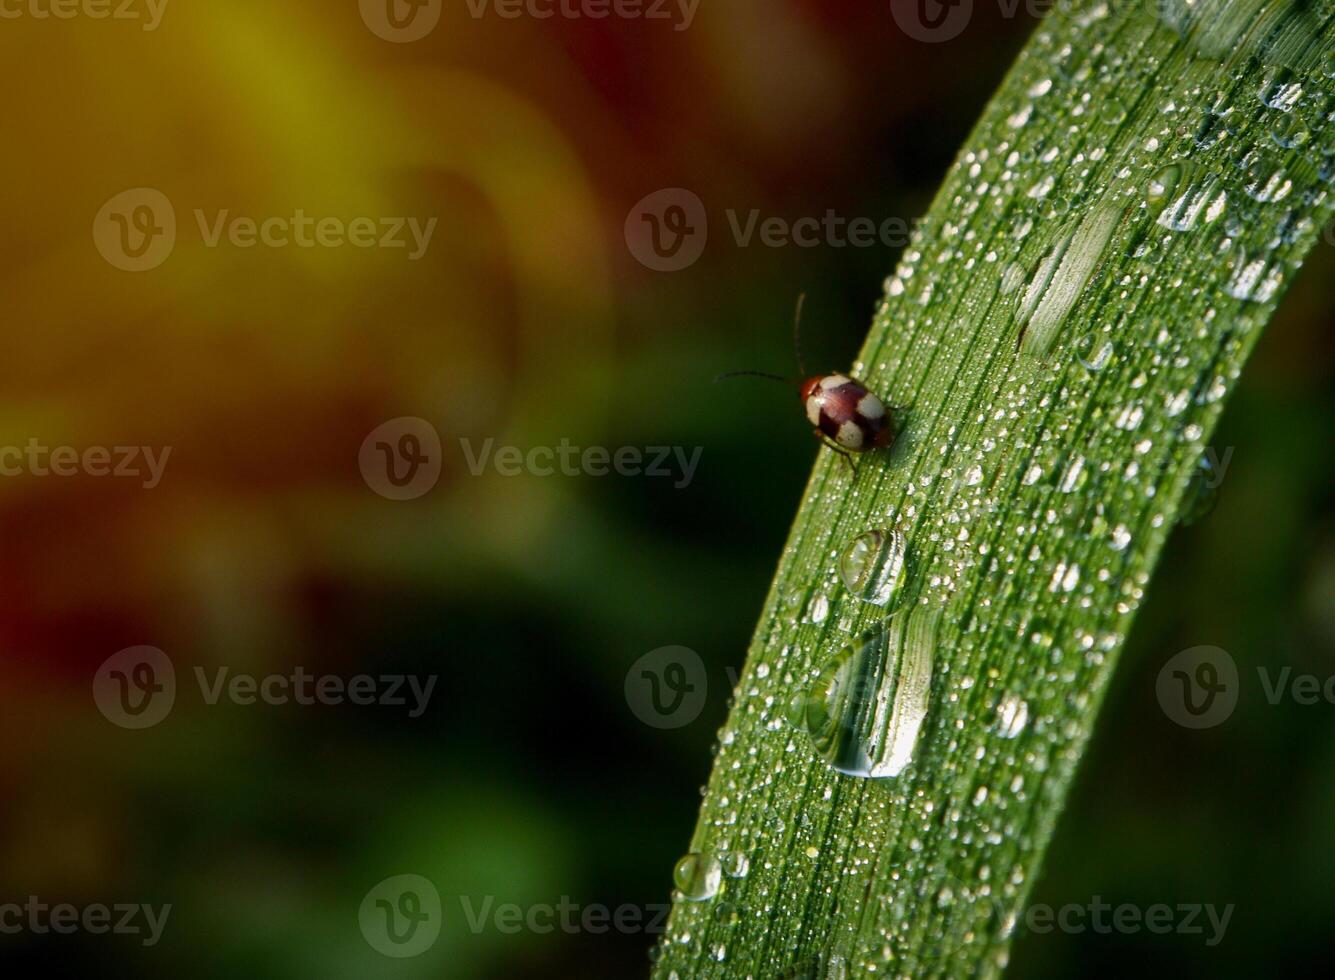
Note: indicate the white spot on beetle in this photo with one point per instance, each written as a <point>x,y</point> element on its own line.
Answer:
<point>850,436</point>
<point>870,407</point>
<point>834,381</point>
<point>813,409</point>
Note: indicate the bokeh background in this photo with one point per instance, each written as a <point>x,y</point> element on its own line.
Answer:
<point>529,320</point>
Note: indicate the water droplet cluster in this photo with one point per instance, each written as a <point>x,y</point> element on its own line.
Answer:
<point>1063,329</point>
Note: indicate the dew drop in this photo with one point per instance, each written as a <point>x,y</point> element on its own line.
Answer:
<point>1290,132</point>
<point>726,913</point>
<point>1012,716</point>
<point>1202,492</point>
<point>865,709</point>
<point>1062,276</point>
<point>1162,185</point>
<point>1093,351</point>
<point>796,712</point>
<point>1012,278</point>
<point>736,864</point>
<point>1278,91</point>
<point>872,566</point>
<point>1198,204</point>
<point>698,877</point>
<point>1074,476</point>
<point>819,608</point>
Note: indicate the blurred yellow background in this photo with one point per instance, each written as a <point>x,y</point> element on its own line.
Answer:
<point>526,319</point>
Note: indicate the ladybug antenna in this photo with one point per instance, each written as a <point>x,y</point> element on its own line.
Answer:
<point>754,374</point>
<point>797,333</point>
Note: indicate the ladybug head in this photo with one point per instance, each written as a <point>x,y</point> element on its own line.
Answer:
<point>809,387</point>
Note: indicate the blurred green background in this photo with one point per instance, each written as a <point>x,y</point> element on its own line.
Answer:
<point>529,320</point>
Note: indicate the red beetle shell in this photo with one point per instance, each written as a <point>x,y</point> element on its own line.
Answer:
<point>845,412</point>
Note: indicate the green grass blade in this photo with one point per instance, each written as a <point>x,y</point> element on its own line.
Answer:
<point>1063,331</point>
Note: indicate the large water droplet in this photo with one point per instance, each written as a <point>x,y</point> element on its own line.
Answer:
<point>1199,204</point>
<point>1061,278</point>
<point>1279,90</point>
<point>865,709</point>
<point>1162,185</point>
<point>1291,131</point>
<point>698,877</point>
<point>796,711</point>
<point>872,566</point>
<point>1012,278</point>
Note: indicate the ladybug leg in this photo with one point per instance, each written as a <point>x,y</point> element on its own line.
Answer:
<point>836,448</point>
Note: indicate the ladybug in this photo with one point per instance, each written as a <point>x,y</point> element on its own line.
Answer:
<point>847,416</point>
